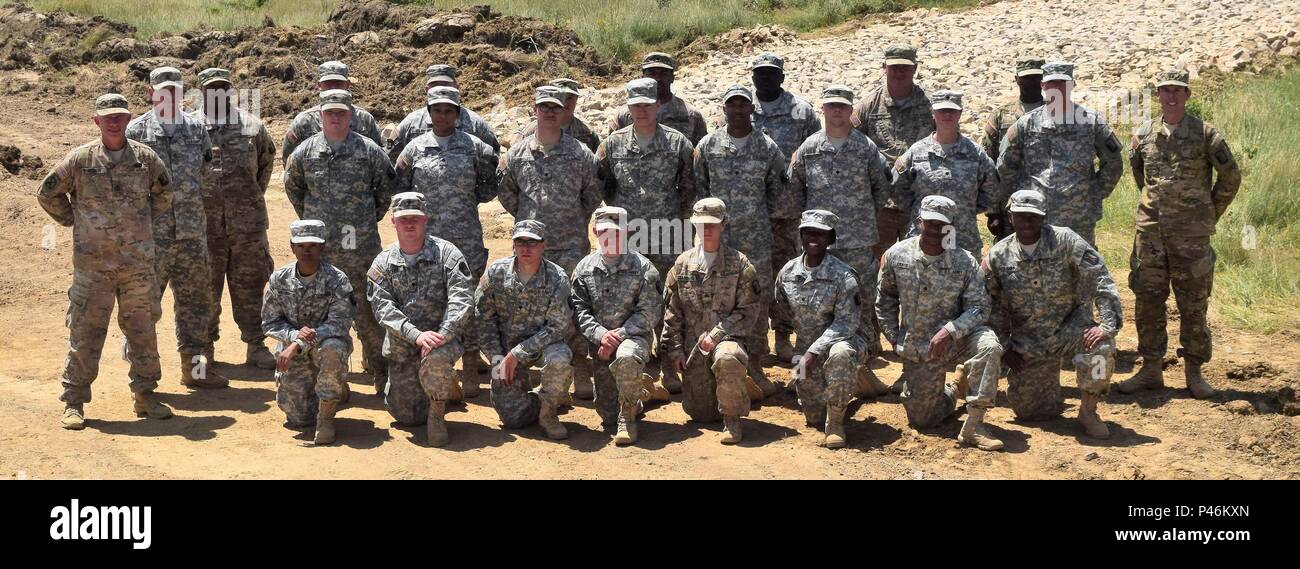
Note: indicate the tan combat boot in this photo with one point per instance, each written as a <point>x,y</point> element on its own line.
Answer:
<point>731,433</point>
<point>436,429</point>
<point>258,356</point>
<point>1088,417</point>
<point>148,405</point>
<point>74,417</point>
<point>765,385</point>
<point>1196,382</point>
<point>835,437</point>
<point>963,382</point>
<point>325,422</point>
<point>973,433</point>
<point>626,434</point>
<point>583,388</point>
<point>197,372</point>
<point>784,349</point>
<point>551,423</point>
<point>1151,376</point>
<point>469,364</point>
<point>868,385</point>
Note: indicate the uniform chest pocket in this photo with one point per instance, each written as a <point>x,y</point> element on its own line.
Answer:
<point>814,296</point>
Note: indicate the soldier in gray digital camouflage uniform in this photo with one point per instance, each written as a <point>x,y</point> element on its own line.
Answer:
<point>1029,84</point>
<point>331,75</point>
<point>570,124</point>
<point>418,122</point>
<point>672,111</point>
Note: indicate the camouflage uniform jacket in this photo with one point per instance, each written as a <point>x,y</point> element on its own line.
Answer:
<point>676,114</point>
<point>721,300</point>
<point>1173,173</point>
<point>185,153</point>
<point>350,187</point>
<point>437,294</point>
<point>750,180</point>
<point>558,188</point>
<point>234,183</point>
<point>418,122</point>
<point>454,180</point>
<point>523,317</point>
<point>307,123</point>
<point>823,301</point>
<point>323,303</point>
<point>963,174</point>
<point>919,295</point>
<point>624,297</point>
<point>851,182</point>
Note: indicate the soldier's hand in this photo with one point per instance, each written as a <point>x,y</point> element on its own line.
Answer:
<point>428,341</point>
<point>940,344</point>
<point>508,366</point>
<point>307,334</point>
<point>605,353</point>
<point>1013,360</point>
<point>1092,336</point>
<point>706,343</point>
<point>679,364</point>
<point>282,359</point>
<point>611,339</point>
<point>808,364</point>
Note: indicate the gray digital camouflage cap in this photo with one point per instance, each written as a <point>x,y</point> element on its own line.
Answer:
<point>900,55</point>
<point>1058,71</point>
<point>768,60</point>
<point>945,99</point>
<point>332,71</point>
<point>166,77</point>
<point>407,204</point>
<point>837,94</point>
<point>643,90</point>
<point>442,94</point>
<point>548,94</point>
<point>529,229</point>
<point>336,99</point>
<point>737,91</point>
<point>439,72</point>
<point>610,217</point>
<point>938,208</point>
<point>1027,201</point>
<point>307,231</point>
<point>818,219</point>
<point>214,75</point>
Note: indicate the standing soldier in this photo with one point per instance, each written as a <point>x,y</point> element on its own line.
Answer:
<point>332,75</point>
<point>234,190</point>
<point>455,172</point>
<point>419,121</point>
<point>343,179</point>
<point>422,292</point>
<point>523,303</point>
<point>745,169</point>
<point>711,301</point>
<point>570,124</point>
<point>671,111</point>
<point>821,292</point>
<point>1173,159</point>
<point>180,235</point>
<point>1029,81</point>
<point>1043,284</point>
<point>110,191</point>
<point>948,164</point>
<point>933,308</point>
<point>1052,149</point>
<point>617,303</point>
<point>308,310</point>
<point>648,170</point>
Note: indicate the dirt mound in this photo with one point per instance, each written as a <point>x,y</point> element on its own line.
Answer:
<point>13,162</point>
<point>1253,370</point>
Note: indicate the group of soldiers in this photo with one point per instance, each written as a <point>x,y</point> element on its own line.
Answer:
<point>870,211</point>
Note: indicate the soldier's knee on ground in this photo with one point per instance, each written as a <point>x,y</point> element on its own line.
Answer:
<point>1035,392</point>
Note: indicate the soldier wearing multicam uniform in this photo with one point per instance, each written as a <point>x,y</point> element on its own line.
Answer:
<point>308,310</point>
<point>711,301</point>
<point>523,302</point>
<point>673,112</point>
<point>332,75</point>
<point>1173,159</point>
<point>1044,281</point>
<point>422,292</point>
<point>617,303</point>
<point>345,180</point>
<point>1052,149</point>
<point>110,197</point>
<point>569,123</point>
<point>180,235</point>
<point>1029,78</point>
<point>948,164</point>
<point>745,169</point>
<point>933,309</point>
<point>821,292</point>
<point>419,122</point>
<point>234,189</point>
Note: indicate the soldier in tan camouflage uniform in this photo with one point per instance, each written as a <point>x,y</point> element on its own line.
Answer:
<point>1043,282</point>
<point>418,122</point>
<point>1052,149</point>
<point>422,292</point>
<point>308,310</point>
<point>746,170</point>
<point>672,111</point>
<point>1173,159</point>
<point>180,236</point>
<point>110,191</point>
<point>933,309</point>
<point>331,75</point>
<point>821,292</point>
<point>345,180</point>
<point>234,189</point>
<point>1029,82</point>
<point>570,124</point>
<point>523,302</point>
<point>617,303</point>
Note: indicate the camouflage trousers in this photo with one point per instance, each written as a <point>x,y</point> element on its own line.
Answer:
<point>926,397</point>
<point>90,305</point>
<point>659,365</point>
<point>618,381</point>
<point>756,341</point>
<point>244,261</point>
<point>831,384</point>
<point>371,334</point>
<point>414,381</point>
<point>1035,392</point>
<point>1187,264</point>
<point>184,265</point>
<point>866,262</point>
<point>568,260</point>
<point>714,384</point>
<point>518,404</point>
<point>313,376</point>
<point>785,246</point>
<point>476,256</point>
<point>891,226</point>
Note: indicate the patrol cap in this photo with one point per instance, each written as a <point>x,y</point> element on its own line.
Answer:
<point>737,91</point>
<point>1027,201</point>
<point>1179,77</point>
<point>938,208</point>
<point>945,99</point>
<point>1058,71</point>
<point>610,217</point>
<point>643,90</point>
<point>768,60</point>
<point>214,75</point>
<point>530,229</point>
<point>900,55</point>
<point>548,94</point>
<point>658,59</point>
<point>336,99</point>
<point>439,72</point>
<point>442,94</point>
<point>709,210</point>
<point>111,104</point>
<point>407,204</point>
<point>567,86</point>
<point>332,71</point>
<point>166,77</point>
<point>837,94</point>
<point>1029,67</point>
<point>819,219</point>
<point>307,231</point>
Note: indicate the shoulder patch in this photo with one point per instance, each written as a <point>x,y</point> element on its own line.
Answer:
<point>51,182</point>
<point>374,274</point>
<point>1090,258</point>
<point>1222,156</point>
<point>1112,143</point>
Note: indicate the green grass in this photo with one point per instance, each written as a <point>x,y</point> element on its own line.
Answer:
<point>175,16</point>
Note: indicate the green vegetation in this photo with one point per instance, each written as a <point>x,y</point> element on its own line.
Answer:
<point>152,16</point>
